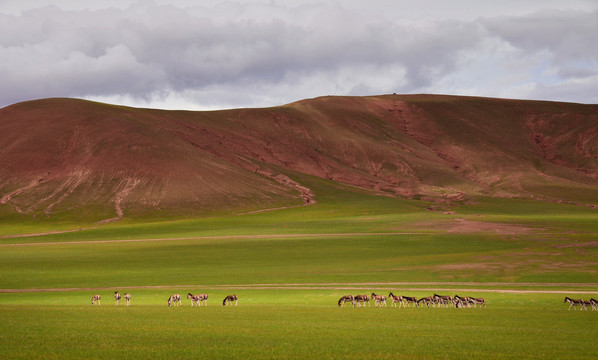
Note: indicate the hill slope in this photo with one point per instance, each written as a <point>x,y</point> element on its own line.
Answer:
<point>67,155</point>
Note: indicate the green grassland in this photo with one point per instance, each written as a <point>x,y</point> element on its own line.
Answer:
<point>290,266</point>
<point>297,324</point>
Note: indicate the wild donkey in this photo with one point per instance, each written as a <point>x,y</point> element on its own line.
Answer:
<point>198,299</point>
<point>96,299</point>
<point>410,300</point>
<point>174,298</point>
<point>573,303</point>
<point>343,300</point>
<point>202,298</point>
<point>362,299</point>
<point>229,300</point>
<point>444,300</point>
<point>378,300</point>
<point>395,299</point>
<point>193,298</point>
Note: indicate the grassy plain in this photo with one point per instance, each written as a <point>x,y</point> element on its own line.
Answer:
<point>290,266</point>
<point>503,330</point>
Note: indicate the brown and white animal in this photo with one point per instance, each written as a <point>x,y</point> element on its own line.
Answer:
<point>462,301</point>
<point>594,303</point>
<point>194,299</point>
<point>428,300</point>
<point>410,300</point>
<point>362,299</point>
<point>573,303</point>
<point>96,299</point>
<point>127,299</point>
<point>378,300</point>
<point>444,300</point>
<point>198,299</point>
<point>202,298</point>
<point>116,298</point>
<point>343,300</point>
<point>479,301</point>
<point>229,300</point>
<point>174,298</point>
<point>395,299</point>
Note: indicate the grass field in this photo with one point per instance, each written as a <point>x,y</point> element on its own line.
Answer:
<point>290,266</point>
<point>294,324</point>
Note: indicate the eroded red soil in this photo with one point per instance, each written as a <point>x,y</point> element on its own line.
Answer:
<point>65,155</point>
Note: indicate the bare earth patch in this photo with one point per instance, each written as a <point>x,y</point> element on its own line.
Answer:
<point>590,244</point>
<point>470,226</point>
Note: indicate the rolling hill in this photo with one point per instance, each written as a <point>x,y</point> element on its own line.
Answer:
<point>60,156</point>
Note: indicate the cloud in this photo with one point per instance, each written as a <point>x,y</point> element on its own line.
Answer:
<point>556,48</point>
<point>260,54</point>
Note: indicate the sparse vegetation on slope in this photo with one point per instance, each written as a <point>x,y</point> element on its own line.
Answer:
<point>103,162</point>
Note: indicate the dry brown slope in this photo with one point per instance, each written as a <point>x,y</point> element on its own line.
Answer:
<point>65,154</point>
<point>423,144</point>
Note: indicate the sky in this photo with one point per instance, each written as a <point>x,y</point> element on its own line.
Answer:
<point>214,54</point>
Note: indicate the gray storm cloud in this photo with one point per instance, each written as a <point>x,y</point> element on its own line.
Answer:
<point>266,54</point>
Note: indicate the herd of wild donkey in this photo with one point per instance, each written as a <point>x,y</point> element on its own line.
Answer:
<point>583,304</point>
<point>174,299</point>
<point>444,300</point>
<point>359,300</point>
<point>434,300</point>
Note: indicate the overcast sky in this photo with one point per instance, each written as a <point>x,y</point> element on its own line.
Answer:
<point>228,54</point>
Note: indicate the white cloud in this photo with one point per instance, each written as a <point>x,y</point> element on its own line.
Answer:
<point>556,49</point>
<point>255,53</point>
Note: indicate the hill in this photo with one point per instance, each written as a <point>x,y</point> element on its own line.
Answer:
<point>60,156</point>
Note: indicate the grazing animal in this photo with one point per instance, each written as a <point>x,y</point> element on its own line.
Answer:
<point>198,299</point>
<point>378,299</point>
<point>457,303</point>
<point>444,300</point>
<point>395,299</point>
<point>426,300</point>
<point>362,299</point>
<point>463,301</point>
<point>194,299</point>
<point>96,299</point>
<point>229,300</point>
<point>343,300</point>
<point>410,300</point>
<point>479,301</point>
<point>573,303</point>
<point>127,299</point>
<point>116,298</point>
<point>202,298</point>
<point>174,298</point>
<point>594,303</point>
